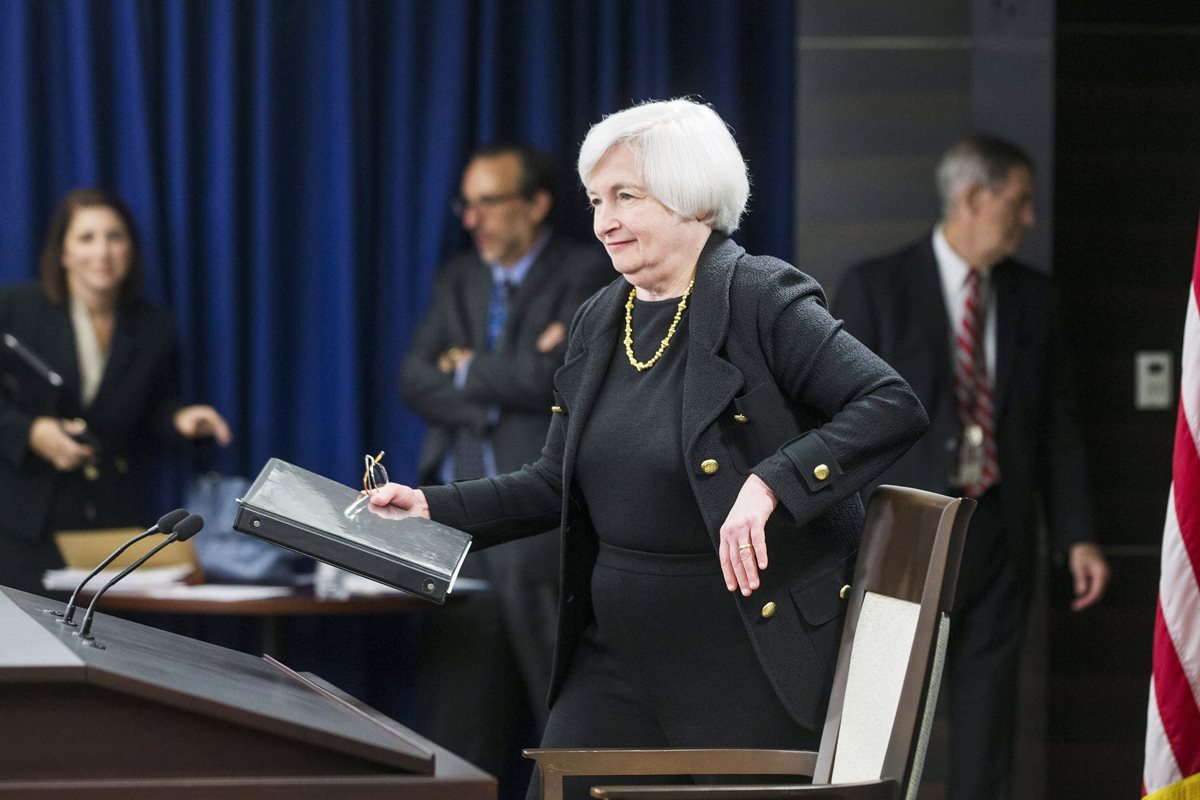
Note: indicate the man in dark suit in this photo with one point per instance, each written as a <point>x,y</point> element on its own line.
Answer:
<point>971,329</point>
<point>480,372</point>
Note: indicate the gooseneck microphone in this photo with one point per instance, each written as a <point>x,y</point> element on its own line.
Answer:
<point>166,523</point>
<point>188,527</point>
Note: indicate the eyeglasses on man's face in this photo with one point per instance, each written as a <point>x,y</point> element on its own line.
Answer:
<point>483,204</point>
<point>375,477</point>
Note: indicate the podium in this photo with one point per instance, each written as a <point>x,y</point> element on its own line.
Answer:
<point>142,713</point>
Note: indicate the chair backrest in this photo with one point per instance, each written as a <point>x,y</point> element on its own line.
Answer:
<point>893,643</point>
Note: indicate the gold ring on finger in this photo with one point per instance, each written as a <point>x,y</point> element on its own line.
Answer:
<point>744,546</point>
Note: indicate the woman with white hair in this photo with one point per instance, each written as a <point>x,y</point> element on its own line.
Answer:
<point>713,427</point>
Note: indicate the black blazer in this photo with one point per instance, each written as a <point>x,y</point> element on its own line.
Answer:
<point>763,347</point>
<point>895,306</point>
<point>131,411</point>
<point>513,377</point>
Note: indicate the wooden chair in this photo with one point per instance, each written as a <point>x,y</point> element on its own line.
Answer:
<point>885,683</point>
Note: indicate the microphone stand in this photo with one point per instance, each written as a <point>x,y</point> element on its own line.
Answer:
<point>186,529</point>
<point>166,523</point>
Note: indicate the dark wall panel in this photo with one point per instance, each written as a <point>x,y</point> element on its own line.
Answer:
<point>884,89</point>
<point>1127,182</point>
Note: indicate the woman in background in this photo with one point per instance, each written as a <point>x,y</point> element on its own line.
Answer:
<point>709,412</point>
<point>69,464</point>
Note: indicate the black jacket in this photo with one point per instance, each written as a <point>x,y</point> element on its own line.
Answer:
<point>763,347</point>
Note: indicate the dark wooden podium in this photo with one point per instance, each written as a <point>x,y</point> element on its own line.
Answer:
<point>152,714</point>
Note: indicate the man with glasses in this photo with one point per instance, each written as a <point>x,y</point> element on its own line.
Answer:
<point>480,372</point>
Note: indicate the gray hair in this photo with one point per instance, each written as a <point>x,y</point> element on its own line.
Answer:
<point>977,160</point>
<point>686,154</point>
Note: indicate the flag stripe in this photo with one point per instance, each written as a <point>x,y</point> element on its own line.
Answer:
<point>1189,398</point>
<point>1180,606</point>
<point>1176,705</point>
<point>1160,758</point>
<point>1184,493</point>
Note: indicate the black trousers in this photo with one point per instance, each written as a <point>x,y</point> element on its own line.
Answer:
<point>982,658</point>
<point>666,663</point>
<point>485,673</point>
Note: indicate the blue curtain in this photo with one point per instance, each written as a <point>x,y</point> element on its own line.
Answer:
<point>290,163</point>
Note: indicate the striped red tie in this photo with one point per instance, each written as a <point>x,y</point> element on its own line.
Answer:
<point>979,467</point>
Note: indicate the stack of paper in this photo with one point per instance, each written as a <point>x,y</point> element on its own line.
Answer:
<point>66,579</point>
<point>219,593</point>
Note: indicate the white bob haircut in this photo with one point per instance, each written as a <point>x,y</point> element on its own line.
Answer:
<point>687,157</point>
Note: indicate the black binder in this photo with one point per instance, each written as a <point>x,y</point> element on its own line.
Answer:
<point>312,515</point>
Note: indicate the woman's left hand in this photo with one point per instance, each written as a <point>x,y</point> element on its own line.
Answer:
<point>195,422</point>
<point>743,550</point>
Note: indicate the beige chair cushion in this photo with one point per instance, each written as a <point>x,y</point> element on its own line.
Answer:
<point>882,646</point>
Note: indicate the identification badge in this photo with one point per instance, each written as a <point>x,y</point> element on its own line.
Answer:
<point>970,458</point>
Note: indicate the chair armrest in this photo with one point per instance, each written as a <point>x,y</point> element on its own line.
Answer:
<point>557,763</point>
<point>869,790</point>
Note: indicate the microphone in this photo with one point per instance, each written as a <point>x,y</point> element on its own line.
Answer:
<point>188,527</point>
<point>166,523</point>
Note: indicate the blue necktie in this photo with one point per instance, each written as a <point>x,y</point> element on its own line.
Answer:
<point>468,448</point>
<point>498,311</point>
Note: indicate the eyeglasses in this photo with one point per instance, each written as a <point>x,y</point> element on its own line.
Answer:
<point>489,202</point>
<point>375,477</point>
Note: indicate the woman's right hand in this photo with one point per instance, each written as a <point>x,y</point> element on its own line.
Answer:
<point>403,497</point>
<point>50,438</point>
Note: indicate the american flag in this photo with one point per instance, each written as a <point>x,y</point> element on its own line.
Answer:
<point>1172,766</point>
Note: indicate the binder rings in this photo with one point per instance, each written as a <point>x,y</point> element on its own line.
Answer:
<point>318,517</point>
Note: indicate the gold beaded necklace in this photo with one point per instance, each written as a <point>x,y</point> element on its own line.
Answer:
<point>641,366</point>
